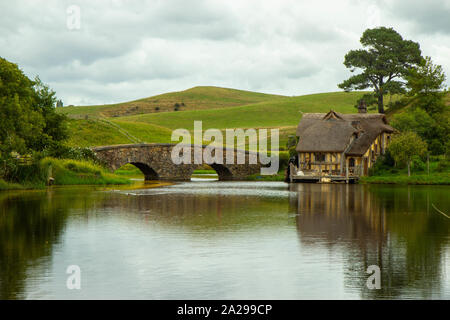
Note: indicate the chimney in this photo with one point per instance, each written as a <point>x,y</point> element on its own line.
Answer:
<point>362,107</point>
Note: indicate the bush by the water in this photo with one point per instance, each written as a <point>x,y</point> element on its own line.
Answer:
<point>65,152</point>
<point>63,172</point>
<point>384,171</point>
<point>71,172</point>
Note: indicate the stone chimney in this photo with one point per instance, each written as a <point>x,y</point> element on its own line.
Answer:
<point>362,107</point>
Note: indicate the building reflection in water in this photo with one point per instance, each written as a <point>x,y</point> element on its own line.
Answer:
<point>391,227</point>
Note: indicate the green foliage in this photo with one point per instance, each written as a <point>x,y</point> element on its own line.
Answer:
<point>75,172</point>
<point>415,120</point>
<point>9,186</point>
<point>29,121</point>
<point>66,152</point>
<point>397,105</point>
<point>13,171</point>
<point>292,142</point>
<point>369,99</point>
<point>405,146</point>
<point>443,166</point>
<point>434,130</point>
<point>280,176</point>
<point>427,84</point>
<point>55,129</point>
<point>283,157</point>
<point>384,164</point>
<point>447,149</point>
<point>292,152</point>
<point>439,172</point>
<point>417,163</point>
<point>423,179</point>
<point>386,59</point>
<point>20,122</point>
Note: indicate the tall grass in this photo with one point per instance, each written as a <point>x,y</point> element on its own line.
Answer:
<point>442,179</point>
<point>9,186</point>
<point>63,172</point>
<point>75,172</point>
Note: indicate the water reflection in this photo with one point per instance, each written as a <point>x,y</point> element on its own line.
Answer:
<point>224,240</point>
<point>394,228</point>
<point>30,226</point>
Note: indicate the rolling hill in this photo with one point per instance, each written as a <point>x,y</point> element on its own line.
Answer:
<point>197,98</point>
<point>219,108</point>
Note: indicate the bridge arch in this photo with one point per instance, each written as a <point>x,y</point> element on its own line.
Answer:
<point>222,171</point>
<point>149,172</point>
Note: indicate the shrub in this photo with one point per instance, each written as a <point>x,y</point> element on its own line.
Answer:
<point>284,159</point>
<point>443,165</point>
<point>418,164</point>
<point>384,164</point>
<point>65,152</point>
<point>436,147</point>
<point>292,152</point>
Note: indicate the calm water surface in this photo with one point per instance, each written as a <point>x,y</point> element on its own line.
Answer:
<point>226,240</point>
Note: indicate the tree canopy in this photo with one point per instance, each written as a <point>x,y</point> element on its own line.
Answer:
<point>29,120</point>
<point>405,146</point>
<point>427,115</point>
<point>426,85</point>
<point>385,61</point>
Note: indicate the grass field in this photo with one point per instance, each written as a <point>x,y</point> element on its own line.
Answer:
<point>196,98</point>
<point>216,107</point>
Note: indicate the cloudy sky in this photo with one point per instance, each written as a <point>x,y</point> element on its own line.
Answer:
<point>121,50</point>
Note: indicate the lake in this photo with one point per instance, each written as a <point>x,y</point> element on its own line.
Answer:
<point>226,240</point>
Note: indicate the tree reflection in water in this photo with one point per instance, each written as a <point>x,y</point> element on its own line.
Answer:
<point>393,227</point>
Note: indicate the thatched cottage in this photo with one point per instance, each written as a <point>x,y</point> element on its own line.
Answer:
<point>337,144</point>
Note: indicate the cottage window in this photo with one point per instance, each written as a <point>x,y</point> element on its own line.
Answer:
<point>319,157</point>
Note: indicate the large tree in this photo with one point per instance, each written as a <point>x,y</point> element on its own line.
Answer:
<point>426,85</point>
<point>28,119</point>
<point>385,60</point>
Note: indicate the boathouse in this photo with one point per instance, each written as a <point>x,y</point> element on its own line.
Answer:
<point>339,147</point>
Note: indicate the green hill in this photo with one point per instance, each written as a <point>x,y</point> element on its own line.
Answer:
<point>229,108</point>
<point>196,98</point>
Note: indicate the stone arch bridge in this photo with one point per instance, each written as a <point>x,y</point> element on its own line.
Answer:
<point>155,162</point>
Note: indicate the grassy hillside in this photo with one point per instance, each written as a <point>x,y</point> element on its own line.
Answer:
<point>275,113</point>
<point>278,112</point>
<point>197,98</point>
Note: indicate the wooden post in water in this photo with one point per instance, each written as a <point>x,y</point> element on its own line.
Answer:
<point>320,172</point>
<point>346,170</point>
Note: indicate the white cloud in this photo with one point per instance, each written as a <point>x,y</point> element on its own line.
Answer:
<point>132,49</point>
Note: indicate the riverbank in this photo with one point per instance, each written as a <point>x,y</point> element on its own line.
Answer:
<point>420,179</point>
<point>280,176</point>
<point>437,172</point>
<point>9,186</point>
<point>61,172</point>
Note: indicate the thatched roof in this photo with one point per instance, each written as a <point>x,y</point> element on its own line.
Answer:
<point>337,132</point>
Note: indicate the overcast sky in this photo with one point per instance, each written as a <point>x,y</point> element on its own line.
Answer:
<point>124,49</point>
